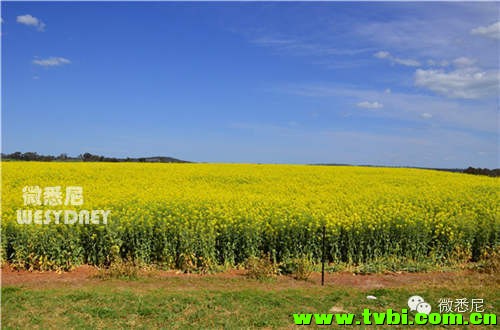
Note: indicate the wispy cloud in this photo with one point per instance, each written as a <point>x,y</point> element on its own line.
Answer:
<point>403,61</point>
<point>302,48</point>
<point>272,41</point>
<point>414,36</point>
<point>51,61</point>
<point>428,34</point>
<point>478,115</point>
<point>370,105</point>
<point>464,61</point>
<point>443,63</point>
<point>31,21</point>
<point>490,31</point>
<point>406,62</point>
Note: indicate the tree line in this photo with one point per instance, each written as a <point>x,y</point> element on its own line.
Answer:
<point>483,171</point>
<point>86,157</point>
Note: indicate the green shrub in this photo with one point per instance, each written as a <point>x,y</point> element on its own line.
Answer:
<point>299,268</point>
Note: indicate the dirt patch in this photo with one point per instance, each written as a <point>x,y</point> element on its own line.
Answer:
<point>86,275</point>
<point>11,276</point>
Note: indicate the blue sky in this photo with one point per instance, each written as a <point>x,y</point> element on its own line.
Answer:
<point>405,84</point>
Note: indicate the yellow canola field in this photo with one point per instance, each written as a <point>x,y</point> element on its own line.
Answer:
<point>221,214</point>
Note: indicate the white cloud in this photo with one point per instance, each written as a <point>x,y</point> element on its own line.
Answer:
<point>370,105</point>
<point>31,21</point>
<point>407,62</point>
<point>490,31</point>
<point>388,91</point>
<point>469,83</point>
<point>437,63</point>
<point>426,115</point>
<point>382,54</point>
<point>464,61</point>
<point>387,56</point>
<point>52,61</point>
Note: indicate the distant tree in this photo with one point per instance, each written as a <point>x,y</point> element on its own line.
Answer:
<point>30,156</point>
<point>86,157</point>
<point>482,171</point>
<point>63,156</point>
<point>16,155</point>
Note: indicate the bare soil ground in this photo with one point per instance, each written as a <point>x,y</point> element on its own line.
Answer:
<point>87,275</point>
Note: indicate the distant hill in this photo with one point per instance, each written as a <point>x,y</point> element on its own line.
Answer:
<point>160,159</point>
<point>86,157</point>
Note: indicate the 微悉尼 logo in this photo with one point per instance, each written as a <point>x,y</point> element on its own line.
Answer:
<point>53,196</point>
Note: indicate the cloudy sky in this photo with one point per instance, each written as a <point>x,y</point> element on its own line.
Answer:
<point>413,84</point>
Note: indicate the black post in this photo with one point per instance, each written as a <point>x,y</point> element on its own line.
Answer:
<point>323,258</point>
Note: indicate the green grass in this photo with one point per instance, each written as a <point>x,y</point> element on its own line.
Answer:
<point>210,302</point>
